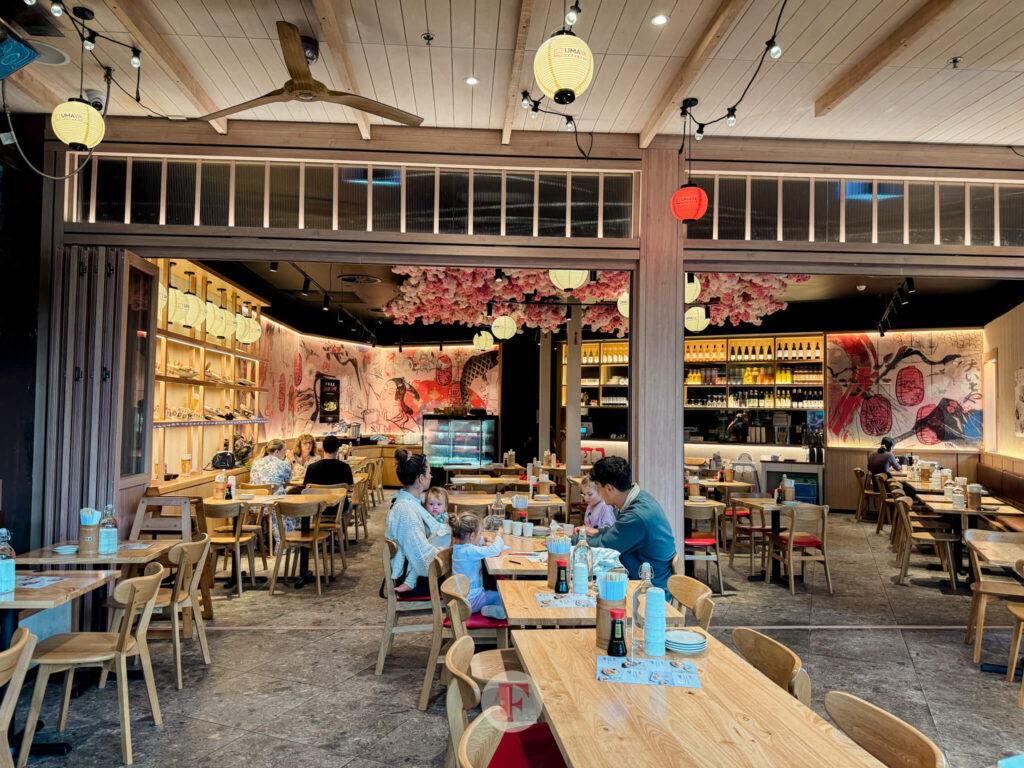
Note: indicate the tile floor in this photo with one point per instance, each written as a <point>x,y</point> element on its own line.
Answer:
<point>292,678</point>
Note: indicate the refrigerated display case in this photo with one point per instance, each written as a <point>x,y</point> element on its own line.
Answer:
<point>460,440</point>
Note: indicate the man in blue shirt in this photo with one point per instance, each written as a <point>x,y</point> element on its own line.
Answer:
<point>642,533</point>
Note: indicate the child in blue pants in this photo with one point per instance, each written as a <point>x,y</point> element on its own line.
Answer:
<point>468,553</point>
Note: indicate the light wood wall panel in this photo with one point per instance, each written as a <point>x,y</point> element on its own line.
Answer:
<point>1004,339</point>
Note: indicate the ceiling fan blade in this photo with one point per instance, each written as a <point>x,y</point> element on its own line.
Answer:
<point>294,53</point>
<point>259,101</point>
<point>364,104</point>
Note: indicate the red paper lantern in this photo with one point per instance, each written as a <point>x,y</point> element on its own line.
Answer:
<point>689,203</point>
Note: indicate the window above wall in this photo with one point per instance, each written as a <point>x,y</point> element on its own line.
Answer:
<point>353,197</point>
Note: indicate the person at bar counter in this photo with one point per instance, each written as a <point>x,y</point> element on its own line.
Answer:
<point>406,527</point>
<point>329,470</point>
<point>641,533</point>
<point>739,428</point>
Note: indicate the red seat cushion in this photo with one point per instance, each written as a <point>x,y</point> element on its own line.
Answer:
<point>533,747</point>
<point>703,542</point>
<point>479,621</point>
<point>799,539</point>
<point>739,512</point>
<point>401,599</point>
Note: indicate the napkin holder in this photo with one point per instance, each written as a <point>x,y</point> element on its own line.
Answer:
<point>974,493</point>
<point>553,569</point>
<point>603,633</point>
<point>89,539</point>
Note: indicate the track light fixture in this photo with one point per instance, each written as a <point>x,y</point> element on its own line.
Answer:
<point>901,298</point>
<point>305,286</point>
<point>909,286</point>
<point>341,315</point>
<point>490,309</point>
<point>327,301</point>
<point>499,276</point>
<point>273,266</point>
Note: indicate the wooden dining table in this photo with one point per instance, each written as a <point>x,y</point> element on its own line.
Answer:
<point>738,717</point>
<point>476,499</point>
<point>998,552</point>
<point>775,509</point>
<point>520,600</point>
<point>725,486</point>
<point>514,563</point>
<point>960,519</point>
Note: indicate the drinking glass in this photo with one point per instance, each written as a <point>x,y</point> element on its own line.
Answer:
<point>186,464</point>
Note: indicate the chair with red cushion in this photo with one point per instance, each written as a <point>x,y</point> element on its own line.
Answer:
<point>748,528</point>
<point>485,665</point>
<point>703,544</point>
<point>397,604</point>
<point>804,539</point>
<point>485,742</point>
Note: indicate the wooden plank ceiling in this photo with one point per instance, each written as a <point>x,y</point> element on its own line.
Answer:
<point>231,49</point>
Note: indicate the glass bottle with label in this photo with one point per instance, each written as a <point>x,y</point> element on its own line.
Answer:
<point>583,554</point>
<point>6,561</point>
<point>108,531</point>
<point>646,574</point>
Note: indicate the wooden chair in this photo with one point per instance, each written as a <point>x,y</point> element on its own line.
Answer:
<point>703,541</point>
<point>692,594</point>
<point>485,665</point>
<point>335,525</point>
<point>750,531</point>
<point>107,650</point>
<point>378,479</point>
<point>885,510</point>
<point>13,666</point>
<point>867,498</point>
<point>735,511</point>
<point>1017,611</point>
<point>535,743</point>
<point>442,630</point>
<point>358,509</point>
<point>775,661</point>
<point>912,534</point>
<point>806,530</point>
<point>291,543</point>
<point>235,540</point>
<point>893,742</point>
<point>255,526</point>
<point>267,488</point>
<point>398,605</point>
<point>988,587</point>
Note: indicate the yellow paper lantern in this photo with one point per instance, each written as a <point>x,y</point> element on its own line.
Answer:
<point>563,67</point>
<point>692,289</point>
<point>228,318</point>
<point>622,304</point>
<point>211,317</point>
<point>195,311</point>
<point>78,125</point>
<point>176,306</point>
<point>568,279</point>
<point>696,319</point>
<point>504,327</point>
<point>483,341</point>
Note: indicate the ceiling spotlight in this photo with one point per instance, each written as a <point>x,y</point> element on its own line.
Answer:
<point>57,8</point>
<point>499,276</point>
<point>341,315</point>
<point>881,330</point>
<point>89,41</point>
<point>305,286</point>
<point>30,2</point>
<point>527,101</point>
<point>955,61</point>
<point>327,301</point>
<point>490,309</point>
<point>273,266</point>
<point>569,123</point>
<point>593,276</point>
<point>908,285</point>
<point>730,118</point>
<point>573,14</point>
<point>700,132</point>
<point>902,298</point>
<point>534,112</point>
<point>774,49</point>
<point>440,346</point>
<point>136,58</point>
<point>862,287</point>
<point>660,20</point>
<point>471,80</point>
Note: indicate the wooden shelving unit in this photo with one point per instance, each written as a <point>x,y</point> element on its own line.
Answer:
<point>766,372</point>
<point>189,411</point>
<point>604,374</point>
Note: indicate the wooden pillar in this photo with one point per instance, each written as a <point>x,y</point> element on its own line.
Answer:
<point>573,351</point>
<point>656,333</point>
<point>544,408</point>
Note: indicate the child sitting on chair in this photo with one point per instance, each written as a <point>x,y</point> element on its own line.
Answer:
<point>468,553</point>
<point>599,514</point>
<point>436,502</point>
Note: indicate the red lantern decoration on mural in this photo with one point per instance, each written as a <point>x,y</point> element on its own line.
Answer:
<point>689,203</point>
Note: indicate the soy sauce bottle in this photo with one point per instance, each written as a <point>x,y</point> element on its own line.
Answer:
<point>561,579</point>
<point>617,643</point>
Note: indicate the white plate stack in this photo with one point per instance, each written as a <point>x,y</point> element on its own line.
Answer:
<point>686,641</point>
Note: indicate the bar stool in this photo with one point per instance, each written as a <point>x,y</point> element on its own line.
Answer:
<point>703,542</point>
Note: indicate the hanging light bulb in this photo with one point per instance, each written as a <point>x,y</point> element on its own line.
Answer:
<point>57,8</point>
<point>730,119</point>
<point>89,41</point>
<point>527,101</point>
<point>622,304</point>
<point>504,327</point>
<point>774,49</point>
<point>535,112</point>
<point>568,279</point>
<point>136,58</point>
<point>30,2</point>
<point>693,288</point>
<point>700,132</point>
<point>573,14</point>
<point>569,123</point>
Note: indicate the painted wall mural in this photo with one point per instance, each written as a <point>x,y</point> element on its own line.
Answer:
<point>1018,402</point>
<point>320,385</point>
<point>921,389</point>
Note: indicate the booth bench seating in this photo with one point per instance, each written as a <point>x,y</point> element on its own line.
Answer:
<point>1008,486</point>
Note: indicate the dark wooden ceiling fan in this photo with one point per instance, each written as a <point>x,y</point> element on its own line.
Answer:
<point>302,86</point>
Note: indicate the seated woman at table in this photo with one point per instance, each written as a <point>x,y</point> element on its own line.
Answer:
<point>599,514</point>
<point>882,461</point>
<point>468,553</point>
<point>271,466</point>
<point>641,533</point>
<point>406,526</point>
<point>304,452</point>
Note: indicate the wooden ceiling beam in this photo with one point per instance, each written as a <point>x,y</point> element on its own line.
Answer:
<point>670,101</point>
<point>331,13</point>
<point>34,87</point>
<point>513,97</point>
<point>147,37</point>
<point>879,56</point>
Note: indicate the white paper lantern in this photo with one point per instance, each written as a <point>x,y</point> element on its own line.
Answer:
<point>255,330</point>
<point>175,306</point>
<point>563,67</point>
<point>240,327</point>
<point>568,279</point>
<point>228,318</point>
<point>622,304</point>
<point>195,311</point>
<point>692,289</point>
<point>696,319</point>
<point>483,341</point>
<point>504,327</point>
<point>211,316</point>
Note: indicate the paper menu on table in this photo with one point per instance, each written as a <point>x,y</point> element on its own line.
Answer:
<point>28,581</point>
<point>549,600</point>
<point>673,673</point>
<point>135,545</point>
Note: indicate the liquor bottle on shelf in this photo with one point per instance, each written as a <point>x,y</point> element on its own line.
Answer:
<point>768,352</point>
<point>817,350</point>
